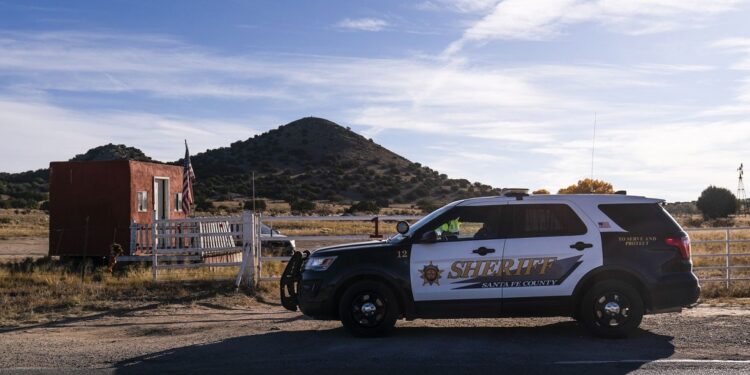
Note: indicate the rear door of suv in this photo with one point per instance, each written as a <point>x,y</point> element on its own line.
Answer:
<point>550,246</point>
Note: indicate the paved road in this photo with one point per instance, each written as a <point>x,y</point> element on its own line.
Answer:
<point>268,340</point>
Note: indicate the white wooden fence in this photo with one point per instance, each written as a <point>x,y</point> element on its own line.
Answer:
<point>189,243</point>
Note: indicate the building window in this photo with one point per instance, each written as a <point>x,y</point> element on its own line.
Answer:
<point>178,202</point>
<point>142,200</point>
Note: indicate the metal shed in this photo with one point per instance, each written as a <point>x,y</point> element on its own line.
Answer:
<point>92,203</point>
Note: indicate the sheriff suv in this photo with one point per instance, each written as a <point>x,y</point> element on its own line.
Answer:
<point>604,260</point>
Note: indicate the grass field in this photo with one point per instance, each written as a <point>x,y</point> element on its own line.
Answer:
<point>44,289</point>
<point>23,223</point>
<point>34,291</point>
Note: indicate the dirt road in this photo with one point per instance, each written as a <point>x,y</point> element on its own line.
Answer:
<point>16,248</point>
<point>267,339</point>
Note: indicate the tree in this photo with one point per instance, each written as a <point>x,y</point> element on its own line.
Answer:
<point>260,205</point>
<point>364,206</point>
<point>302,206</point>
<point>427,205</point>
<point>540,191</point>
<point>202,204</point>
<point>716,202</point>
<point>588,186</point>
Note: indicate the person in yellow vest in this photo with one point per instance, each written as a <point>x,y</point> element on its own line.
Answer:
<point>449,230</point>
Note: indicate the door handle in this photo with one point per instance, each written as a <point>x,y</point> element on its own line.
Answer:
<point>580,246</point>
<point>483,251</point>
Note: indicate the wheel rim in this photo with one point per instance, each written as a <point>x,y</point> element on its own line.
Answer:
<point>611,309</point>
<point>368,309</point>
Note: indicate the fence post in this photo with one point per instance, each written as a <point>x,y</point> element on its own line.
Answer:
<point>248,251</point>
<point>154,242</point>
<point>133,236</point>
<point>258,249</point>
<point>728,259</point>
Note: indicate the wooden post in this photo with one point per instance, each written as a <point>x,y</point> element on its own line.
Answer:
<point>376,220</point>
<point>85,248</point>
<point>154,243</point>
<point>248,253</point>
<point>133,237</point>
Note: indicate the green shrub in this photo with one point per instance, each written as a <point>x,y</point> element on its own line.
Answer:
<point>365,207</point>
<point>260,205</point>
<point>716,202</point>
<point>302,206</point>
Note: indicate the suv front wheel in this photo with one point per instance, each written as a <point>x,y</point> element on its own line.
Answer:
<point>368,309</point>
<point>611,309</point>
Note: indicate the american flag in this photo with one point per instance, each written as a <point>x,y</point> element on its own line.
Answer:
<point>188,176</point>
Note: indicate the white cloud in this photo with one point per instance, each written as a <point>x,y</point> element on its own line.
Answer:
<point>35,133</point>
<point>501,116</point>
<point>741,105</point>
<point>362,24</point>
<point>540,20</point>
<point>739,46</point>
<point>460,6</point>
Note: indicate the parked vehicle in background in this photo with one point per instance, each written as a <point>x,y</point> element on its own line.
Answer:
<point>279,246</point>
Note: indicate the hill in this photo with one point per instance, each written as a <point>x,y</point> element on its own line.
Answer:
<point>29,189</point>
<point>307,159</point>
<point>316,159</point>
<point>112,152</point>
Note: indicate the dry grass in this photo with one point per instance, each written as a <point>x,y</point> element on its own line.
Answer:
<point>23,223</point>
<point>40,290</point>
<point>331,228</point>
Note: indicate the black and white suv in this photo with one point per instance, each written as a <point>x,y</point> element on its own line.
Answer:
<point>605,260</point>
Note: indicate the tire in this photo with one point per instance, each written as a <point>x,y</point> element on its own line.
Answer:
<point>612,309</point>
<point>368,309</point>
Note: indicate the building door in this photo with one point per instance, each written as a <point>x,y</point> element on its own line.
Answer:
<point>161,204</point>
<point>161,198</point>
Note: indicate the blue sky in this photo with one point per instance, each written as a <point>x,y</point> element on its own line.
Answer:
<point>502,92</point>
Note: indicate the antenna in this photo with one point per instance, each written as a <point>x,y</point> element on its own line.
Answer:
<point>593,147</point>
<point>741,198</point>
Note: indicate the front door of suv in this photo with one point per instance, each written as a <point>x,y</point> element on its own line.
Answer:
<point>462,267</point>
<point>551,245</point>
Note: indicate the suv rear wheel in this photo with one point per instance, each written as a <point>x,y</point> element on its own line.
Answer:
<point>611,309</point>
<point>368,309</point>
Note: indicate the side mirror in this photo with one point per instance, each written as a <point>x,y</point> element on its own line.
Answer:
<point>429,237</point>
<point>402,227</point>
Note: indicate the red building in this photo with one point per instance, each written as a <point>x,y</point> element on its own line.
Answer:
<point>92,203</point>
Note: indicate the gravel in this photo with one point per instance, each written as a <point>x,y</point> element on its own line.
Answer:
<point>266,338</point>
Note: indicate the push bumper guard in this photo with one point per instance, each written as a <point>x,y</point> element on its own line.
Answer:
<point>290,279</point>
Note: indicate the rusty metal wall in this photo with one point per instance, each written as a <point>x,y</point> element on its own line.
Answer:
<point>105,193</point>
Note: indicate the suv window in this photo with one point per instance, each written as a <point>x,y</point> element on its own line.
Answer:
<point>545,220</point>
<point>645,218</point>
<point>469,223</point>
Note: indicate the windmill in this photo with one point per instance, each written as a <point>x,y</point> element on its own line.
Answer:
<point>741,198</point>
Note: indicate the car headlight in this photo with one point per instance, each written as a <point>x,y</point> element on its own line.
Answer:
<point>319,263</point>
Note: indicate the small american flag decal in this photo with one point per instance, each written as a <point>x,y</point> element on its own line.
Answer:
<point>604,225</point>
